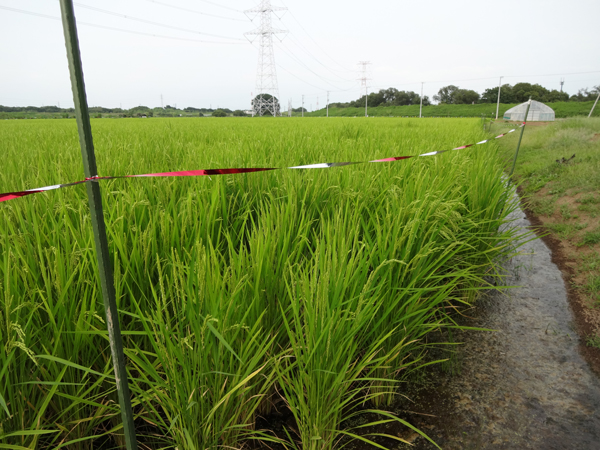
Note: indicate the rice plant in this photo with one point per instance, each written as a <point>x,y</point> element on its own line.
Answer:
<point>310,292</point>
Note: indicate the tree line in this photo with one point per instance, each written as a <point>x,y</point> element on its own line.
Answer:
<point>386,97</point>
<point>137,111</point>
<point>454,95</point>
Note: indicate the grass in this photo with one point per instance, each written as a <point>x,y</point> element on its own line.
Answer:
<point>593,341</point>
<point>566,196</point>
<point>591,237</point>
<point>307,291</point>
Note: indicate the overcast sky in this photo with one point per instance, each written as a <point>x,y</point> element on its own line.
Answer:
<point>466,43</point>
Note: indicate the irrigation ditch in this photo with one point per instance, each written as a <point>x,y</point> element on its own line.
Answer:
<point>525,384</point>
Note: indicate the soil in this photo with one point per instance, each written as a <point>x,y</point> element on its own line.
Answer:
<point>565,255</point>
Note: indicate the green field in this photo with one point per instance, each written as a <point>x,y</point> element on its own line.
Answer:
<point>562,110</point>
<point>310,293</point>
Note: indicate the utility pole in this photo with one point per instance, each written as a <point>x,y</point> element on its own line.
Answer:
<point>498,104</point>
<point>421,107</point>
<point>266,74</point>
<point>290,107</point>
<point>363,81</point>
<point>317,102</point>
<point>327,103</point>
<point>595,103</point>
<point>562,82</point>
<point>302,105</point>
<point>97,219</point>
<point>161,102</point>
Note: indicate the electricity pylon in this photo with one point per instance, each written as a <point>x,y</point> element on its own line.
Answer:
<point>363,81</point>
<point>267,100</point>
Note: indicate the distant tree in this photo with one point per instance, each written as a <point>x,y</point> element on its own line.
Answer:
<point>261,103</point>
<point>299,110</point>
<point>49,109</point>
<point>523,91</point>
<point>331,105</point>
<point>491,95</point>
<point>239,113</point>
<point>584,95</point>
<point>200,114</point>
<point>376,98</point>
<point>464,97</point>
<point>556,96</point>
<point>219,113</point>
<point>446,94</point>
<point>191,109</point>
<point>401,98</point>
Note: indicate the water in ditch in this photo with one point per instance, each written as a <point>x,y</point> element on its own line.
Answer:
<point>522,386</point>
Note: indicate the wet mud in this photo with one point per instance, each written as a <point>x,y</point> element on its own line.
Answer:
<point>524,385</point>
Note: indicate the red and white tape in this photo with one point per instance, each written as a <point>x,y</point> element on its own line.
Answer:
<point>209,172</point>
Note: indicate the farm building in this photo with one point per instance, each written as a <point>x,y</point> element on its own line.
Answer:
<point>537,113</point>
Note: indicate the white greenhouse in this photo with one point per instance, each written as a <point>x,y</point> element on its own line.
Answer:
<point>537,113</point>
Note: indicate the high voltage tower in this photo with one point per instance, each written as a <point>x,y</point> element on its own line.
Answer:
<point>266,76</point>
<point>363,81</point>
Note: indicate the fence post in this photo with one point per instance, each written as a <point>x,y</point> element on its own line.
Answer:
<point>95,200</point>
<point>520,137</point>
<point>590,115</point>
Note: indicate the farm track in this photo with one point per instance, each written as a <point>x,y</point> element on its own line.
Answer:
<point>524,385</point>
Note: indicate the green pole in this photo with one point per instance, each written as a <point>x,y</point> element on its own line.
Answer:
<point>520,138</point>
<point>95,200</point>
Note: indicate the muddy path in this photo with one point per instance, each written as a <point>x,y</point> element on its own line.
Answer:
<point>523,386</point>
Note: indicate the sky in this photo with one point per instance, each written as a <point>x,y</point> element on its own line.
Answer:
<point>195,53</point>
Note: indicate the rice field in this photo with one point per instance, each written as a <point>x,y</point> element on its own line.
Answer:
<point>308,293</point>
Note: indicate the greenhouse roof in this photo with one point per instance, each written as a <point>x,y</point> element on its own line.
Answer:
<point>535,106</point>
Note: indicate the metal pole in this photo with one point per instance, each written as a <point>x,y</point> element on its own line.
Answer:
<point>327,103</point>
<point>366,99</point>
<point>302,105</point>
<point>498,104</point>
<point>95,201</point>
<point>520,137</point>
<point>421,108</point>
<point>594,103</point>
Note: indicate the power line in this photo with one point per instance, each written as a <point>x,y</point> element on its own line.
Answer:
<point>296,76</point>
<point>316,43</point>
<point>299,61</point>
<point>296,40</point>
<point>551,74</point>
<point>222,6</point>
<point>137,19</point>
<point>121,30</point>
<point>301,46</point>
<point>293,74</point>
<point>195,12</point>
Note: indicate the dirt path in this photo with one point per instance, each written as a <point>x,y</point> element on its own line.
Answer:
<point>524,386</point>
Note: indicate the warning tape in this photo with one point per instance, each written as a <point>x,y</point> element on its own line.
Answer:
<point>208,172</point>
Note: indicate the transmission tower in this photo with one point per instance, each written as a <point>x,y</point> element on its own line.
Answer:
<point>363,81</point>
<point>562,82</point>
<point>267,100</point>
